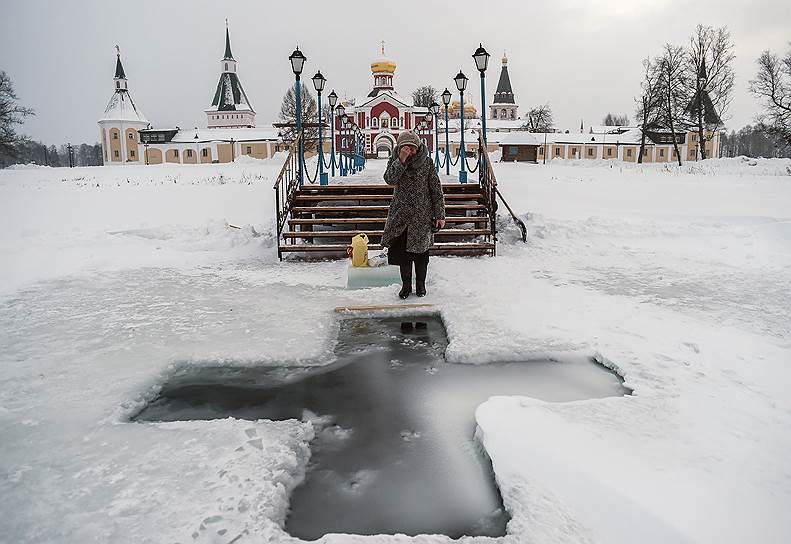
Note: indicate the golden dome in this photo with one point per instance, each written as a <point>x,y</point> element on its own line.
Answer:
<point>382,64</point>
<point>469,109</point>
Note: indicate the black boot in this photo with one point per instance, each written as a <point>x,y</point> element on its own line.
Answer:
<point>406,280</point>
<point>421,268</point>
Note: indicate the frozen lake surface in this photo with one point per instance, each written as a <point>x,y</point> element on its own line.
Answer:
<point>395,450</point>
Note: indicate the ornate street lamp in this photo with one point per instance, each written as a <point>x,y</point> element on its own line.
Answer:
<point>357,148</point>
<point>446,96</point>
<point>333,98</point>
<point>427,120</point>
<point>350,143</point>
<point>346,144</point>
<point>461,84</point>
<point>297,63</point>
<point>481,62</point>
<point>318,83</point>
<point>434,109</point>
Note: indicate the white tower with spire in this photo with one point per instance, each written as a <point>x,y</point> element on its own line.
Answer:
<point>229,107</point>
<point>503,106</point>
<point>121,122</point>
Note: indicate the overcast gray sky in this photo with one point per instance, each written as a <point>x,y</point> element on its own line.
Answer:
<point>581,56</point>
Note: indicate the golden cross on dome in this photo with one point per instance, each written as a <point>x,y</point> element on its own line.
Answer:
<point>383,47</point>
<point>117,50</point>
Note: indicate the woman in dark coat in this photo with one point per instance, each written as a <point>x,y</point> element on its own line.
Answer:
<point>417,208</point>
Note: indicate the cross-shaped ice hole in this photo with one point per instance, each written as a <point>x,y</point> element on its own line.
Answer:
<point>394,450</point>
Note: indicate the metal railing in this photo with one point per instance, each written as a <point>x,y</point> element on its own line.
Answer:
<point>285,187</point>
<point>488,183</point>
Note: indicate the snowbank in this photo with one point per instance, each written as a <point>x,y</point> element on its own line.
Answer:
<point>736,166</point>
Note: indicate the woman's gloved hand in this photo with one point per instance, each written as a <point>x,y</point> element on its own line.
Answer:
<point>405,152</point>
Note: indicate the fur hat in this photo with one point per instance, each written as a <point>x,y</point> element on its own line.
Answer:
<point>407,137</point>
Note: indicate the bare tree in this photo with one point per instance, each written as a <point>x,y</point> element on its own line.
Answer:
<point>11,114</point>
<point>615,120</point>
<point>539,119</point>
<point>288,114</point>
<point>754,142</point>
<point>673,91</point>
<point>425,95</point>
<point>710,76</point>
<point>772,84</point>
<point>649,104</point>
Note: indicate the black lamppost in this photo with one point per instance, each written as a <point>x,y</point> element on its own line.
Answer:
<point>146,153</point>
<point>481,62</point>
<point>342,126</point>
<point>297,63</point>
<point>446,96</point>
<point>318,83</point>
<point>71,155</point>
<point>333,98</point>
<point>461,84</point>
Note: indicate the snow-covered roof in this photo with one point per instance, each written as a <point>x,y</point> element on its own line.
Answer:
<point>122,108</point>
<point>365,100</point>
<point>226,134</point>
<point>521,137</point>
<point>230,95</point>
<point>471,136</point>
<point>609,129</point>
<point>492,125</point>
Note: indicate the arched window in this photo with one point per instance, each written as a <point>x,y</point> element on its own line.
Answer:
<point>117,84</point>
<point>226,66</point>
<point>384,122</point>
<point>503,114</point>
<point>375,122</point>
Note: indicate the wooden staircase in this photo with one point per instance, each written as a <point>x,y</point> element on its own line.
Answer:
<point>320,221</point>
<point>323,219</point>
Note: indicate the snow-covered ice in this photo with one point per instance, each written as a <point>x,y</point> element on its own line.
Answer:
<point>679,278</point>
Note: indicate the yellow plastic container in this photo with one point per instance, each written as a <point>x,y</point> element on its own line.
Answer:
<point>360,250</point>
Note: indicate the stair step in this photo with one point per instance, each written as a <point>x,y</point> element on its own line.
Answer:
<point>437,247</point>
<point>364,208</point>
<point>450,187</point>
<point>319,198</point>
<point>351,233</point>
<point>355,220</point>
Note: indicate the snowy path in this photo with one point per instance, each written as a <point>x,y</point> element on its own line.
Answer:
<point>681,281</point>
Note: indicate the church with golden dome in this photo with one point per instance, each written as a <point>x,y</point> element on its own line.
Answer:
<point>383,113</point>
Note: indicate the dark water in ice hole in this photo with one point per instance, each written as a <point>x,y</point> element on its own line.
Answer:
<point>394,450</point>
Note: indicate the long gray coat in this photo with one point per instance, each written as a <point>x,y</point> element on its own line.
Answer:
<point>417,200</point>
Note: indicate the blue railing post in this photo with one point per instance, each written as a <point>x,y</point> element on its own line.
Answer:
<point>332,144</point>
<point>322,176</point>
<point>299,131</point>
<point>436,143</point>
<point>462,149</point>
<point>447,143</point>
